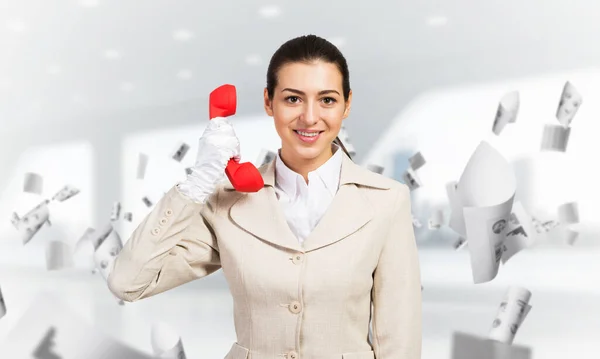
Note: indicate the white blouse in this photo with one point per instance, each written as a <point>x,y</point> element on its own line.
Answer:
<point>305,204</point>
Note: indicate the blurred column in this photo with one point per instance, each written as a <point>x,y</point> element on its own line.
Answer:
<point>107,175</point>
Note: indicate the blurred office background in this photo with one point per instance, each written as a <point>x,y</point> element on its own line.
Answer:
<point>87,85</point>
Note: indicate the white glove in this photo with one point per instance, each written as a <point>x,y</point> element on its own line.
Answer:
<point>217,146</point>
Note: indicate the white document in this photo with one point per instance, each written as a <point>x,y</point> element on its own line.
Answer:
<point>30,224</point>
<point>375,168</point>
<point>436,220</point>
<point>265,156</point>
<point>59,255</point>
<point>486,191</point>
<point>49,330</point>
<point>65,193</point>
<point>508,108</point>
<point>457,220</point>
<point>570,101</point>
<point>116,211</point>
<point>147,202</point>
<point>180,152</point>
<point>520,233</point>
<point>466,346</point>
<point>511,314</point>
<point>416,161</point>
<point>166,343</point>
<point>128,216</point>
<point>15,219</point>
<point>568,213</point>
<point>555,138</point>
<point>345,139</point>
<point>33,183</point>
<point>106,253</point>
<point>415,221</point>
<point>411,179</point>
<point>459,243</point>
<point>142,165</point>
<point>2,304</point>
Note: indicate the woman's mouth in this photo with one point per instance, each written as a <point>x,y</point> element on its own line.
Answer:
<point>308,136</point>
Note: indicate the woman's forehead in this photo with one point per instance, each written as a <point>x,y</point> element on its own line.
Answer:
<point>314,76</point>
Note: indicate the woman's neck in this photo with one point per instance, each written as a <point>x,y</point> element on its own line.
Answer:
<point>303,166</point>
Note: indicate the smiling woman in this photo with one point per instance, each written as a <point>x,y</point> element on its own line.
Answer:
<point>314,259</point>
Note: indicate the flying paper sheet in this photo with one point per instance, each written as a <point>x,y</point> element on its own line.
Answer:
<point>65,193</point>
<point>520,233</point>
<point>511,314</point>
<point>30,224</point>
<point>555,138</point>
<point>466,346</point>
<point>416,161</point>
<point>570,101</point>
<point>375,168</point>
<point>2,304</point>
<point>180,152</point>
<point>508,108</point>
<point>49,330</point>
<point>33,183</point>
<point>59,255</point>
<point>166,343</point>
<point>486,191</point>
<point>265,156</point>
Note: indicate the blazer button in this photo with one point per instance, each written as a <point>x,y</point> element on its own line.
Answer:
<point>292,355</point>
<point>297,259</point>
<point>169,212</point>
<point>155,230</point>
<point>295,307</point>
<point>163,221</point>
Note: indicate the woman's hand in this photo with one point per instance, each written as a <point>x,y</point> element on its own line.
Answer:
<point>217,146</point>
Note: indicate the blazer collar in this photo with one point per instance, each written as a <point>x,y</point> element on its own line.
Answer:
<point>351,173</point>
<point>261,214</point>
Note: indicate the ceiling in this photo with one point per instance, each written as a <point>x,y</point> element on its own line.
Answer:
<point>67,58</point>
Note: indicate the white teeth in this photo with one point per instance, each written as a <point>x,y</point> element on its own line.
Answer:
<point>308,134</point>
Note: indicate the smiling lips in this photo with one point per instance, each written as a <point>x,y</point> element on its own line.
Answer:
<point>308,136</point>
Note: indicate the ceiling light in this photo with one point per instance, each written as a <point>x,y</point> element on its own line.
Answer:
<point>437,21</point>
<point>337,41</point>
<point>253,60</point>
<point>269,11</point>
<point>184,74</point>
<point>126,87</point>
<point>112,54</point>
<point>182,35</point>
<point>16,25</point>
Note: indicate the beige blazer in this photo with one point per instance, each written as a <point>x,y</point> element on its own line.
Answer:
<point>293,301</point>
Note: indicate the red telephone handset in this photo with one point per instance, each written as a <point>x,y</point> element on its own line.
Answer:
<point>243,176</point>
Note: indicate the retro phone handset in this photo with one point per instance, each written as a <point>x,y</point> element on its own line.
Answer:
<point>244,177</point>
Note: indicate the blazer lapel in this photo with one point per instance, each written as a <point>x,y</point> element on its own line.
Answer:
<point>350,210</point>
<point>261,215</point>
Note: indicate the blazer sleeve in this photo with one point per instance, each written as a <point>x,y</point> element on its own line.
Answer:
<point>396,293</point>
<point>173,245</point>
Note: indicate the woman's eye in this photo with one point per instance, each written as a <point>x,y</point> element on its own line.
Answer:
<point>292,99</point>
<point>329,100</point>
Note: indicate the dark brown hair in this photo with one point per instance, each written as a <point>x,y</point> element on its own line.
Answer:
<point>308,48</point>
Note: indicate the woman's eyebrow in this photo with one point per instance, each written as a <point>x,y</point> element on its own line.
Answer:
<point>302,93</point>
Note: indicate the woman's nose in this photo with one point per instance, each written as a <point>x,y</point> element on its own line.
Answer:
<point>310,115</point>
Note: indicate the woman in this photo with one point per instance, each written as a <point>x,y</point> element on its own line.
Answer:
<point>324,247</point>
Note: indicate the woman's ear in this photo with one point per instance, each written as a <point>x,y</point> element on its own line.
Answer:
<point>348,105</point>
<point>268,103</point>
